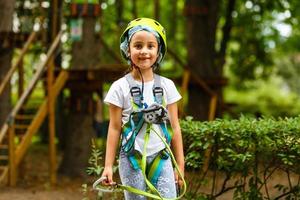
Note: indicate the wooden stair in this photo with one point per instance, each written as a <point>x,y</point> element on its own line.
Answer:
<point>18,129</point>
<point>27,123</point>
<point>4,159</point>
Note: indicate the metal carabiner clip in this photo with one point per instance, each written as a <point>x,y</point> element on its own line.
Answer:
<point>98,186</point>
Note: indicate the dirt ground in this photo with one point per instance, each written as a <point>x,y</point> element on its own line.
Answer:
<point>43,192</point>
<point>33,181</point>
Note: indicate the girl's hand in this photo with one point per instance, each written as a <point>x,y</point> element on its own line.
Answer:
<point>108,173</point>
<point>178,179</point>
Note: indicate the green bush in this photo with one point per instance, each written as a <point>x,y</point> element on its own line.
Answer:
<point>248,148</point>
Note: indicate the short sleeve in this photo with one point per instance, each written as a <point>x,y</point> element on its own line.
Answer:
<point>172,92</point>
<point>114,95</point>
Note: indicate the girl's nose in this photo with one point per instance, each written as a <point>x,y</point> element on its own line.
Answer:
<point>144,51</point>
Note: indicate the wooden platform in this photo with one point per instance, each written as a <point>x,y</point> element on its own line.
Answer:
<point>93,79</point>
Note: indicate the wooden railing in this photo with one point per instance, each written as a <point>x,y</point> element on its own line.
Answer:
<point>39,118</point>
<point>16,153</point>
<point>13,68</point>
<point>27,92</point>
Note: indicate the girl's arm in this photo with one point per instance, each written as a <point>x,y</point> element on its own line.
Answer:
<point>113,136</point>
<point>177,144</point>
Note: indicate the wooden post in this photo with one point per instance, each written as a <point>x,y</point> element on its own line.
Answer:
<point>212,107</point>
<point>51,122</point>
<point>21,82</point>
<point>54,19</point>
<point>51,98</point>
<point>184,88</point>
<point>12,164</point>
<point>21,78</point>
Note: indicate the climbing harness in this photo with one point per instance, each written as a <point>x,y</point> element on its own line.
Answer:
<point>141,115</point>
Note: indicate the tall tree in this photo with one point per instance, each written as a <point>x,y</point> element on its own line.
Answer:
<point>205,60</point>
<point>6,51</point>
<point>202,18</point>
<point>79,130</point>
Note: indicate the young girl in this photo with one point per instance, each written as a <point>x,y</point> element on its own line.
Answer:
<point>136,109</point>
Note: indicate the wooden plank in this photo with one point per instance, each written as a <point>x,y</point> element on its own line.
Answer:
<point>3,131</point>
<point>21,126</point>
<point>51,123</point>
<point>212,107</point>
<point>39,118</point>
<point>24,117</point>
<point>12,163</point>
<point>20,78</point>
<point>60,82</point>
<point>3,174</point>
<point>3,157</point>
<point>3,146</point>
<point>184,88</point>
<point>32,129</point>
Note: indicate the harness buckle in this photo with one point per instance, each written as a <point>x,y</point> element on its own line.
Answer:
<point>136,95</point>
<point>158,93</point>
<point>158,90</point>
<point>135,91</point>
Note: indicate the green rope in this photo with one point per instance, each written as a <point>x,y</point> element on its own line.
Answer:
<point>143,167</point>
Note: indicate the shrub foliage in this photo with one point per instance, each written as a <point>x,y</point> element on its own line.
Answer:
<point>247,152</point>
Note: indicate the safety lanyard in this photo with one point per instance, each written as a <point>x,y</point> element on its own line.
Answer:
<point>155,194</point>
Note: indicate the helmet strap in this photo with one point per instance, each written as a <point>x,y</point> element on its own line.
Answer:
<point>134,66</point>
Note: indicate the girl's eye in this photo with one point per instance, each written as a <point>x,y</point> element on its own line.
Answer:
<point>138,46</point>
<point>151,46</point>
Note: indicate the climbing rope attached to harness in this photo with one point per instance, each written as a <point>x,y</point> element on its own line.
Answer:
<point>154,194</point>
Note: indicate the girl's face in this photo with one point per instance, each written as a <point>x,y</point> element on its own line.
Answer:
<point>143,49</point>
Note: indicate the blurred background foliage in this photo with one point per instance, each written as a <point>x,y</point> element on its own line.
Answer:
<point>262,59</point>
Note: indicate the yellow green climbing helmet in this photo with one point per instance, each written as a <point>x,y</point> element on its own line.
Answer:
<point>148,22</point>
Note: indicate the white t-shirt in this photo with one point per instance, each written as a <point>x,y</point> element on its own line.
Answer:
<point>119,95</point>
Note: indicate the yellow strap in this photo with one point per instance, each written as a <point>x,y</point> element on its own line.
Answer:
<point>175,164</point>
<point>144,162</point>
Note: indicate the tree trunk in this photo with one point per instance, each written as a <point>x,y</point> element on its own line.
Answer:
<point>6,51</point>
<point>79,131</point>
<point>202,18</point>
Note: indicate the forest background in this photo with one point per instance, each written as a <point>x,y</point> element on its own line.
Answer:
<point>246,52</point>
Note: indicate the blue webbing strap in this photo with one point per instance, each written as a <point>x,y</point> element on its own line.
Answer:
<point>134,130</point>
<point>135,90</point>
<point>158,92</point>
